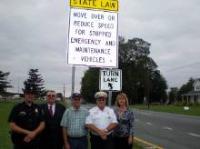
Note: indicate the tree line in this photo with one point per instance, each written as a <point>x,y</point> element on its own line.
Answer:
<point>175,92</point>
<point>142,81</point>
<point>34,82</point>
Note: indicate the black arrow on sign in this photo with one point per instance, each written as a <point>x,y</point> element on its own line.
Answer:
<point>110,86</point>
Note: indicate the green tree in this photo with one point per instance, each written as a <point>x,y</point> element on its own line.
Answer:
<point>173,94</point>
<point>159,86</point>
<point>4,83</point>
<point>185,88</point>
<point>140,80</point>
<point>35,83</point>
<point>90,84</point>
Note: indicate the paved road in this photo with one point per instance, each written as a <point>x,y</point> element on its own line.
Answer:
<point>171,131</point>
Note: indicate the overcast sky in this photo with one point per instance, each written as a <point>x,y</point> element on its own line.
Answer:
<point>33,34</point>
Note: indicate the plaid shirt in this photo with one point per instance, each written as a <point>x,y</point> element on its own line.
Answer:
<point>74,121</point>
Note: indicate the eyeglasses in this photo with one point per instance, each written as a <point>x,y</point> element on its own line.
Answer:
<point>51,95</point>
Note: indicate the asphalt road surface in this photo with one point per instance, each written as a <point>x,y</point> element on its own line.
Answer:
<point>170,131</point>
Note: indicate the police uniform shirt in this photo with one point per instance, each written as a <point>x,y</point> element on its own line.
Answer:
<point>101,118</point>
<point>26,117</point>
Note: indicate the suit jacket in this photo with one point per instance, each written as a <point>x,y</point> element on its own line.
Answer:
<point>52,137</point>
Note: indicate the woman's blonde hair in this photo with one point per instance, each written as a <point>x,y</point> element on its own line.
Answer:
<point>121,95</point>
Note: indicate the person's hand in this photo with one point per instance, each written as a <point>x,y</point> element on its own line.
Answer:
<point>66,145</point>
<point>103,134</point>
<point>27,139</point>
<point>106,131</point>
<point>130,140</point>
<point>30,136</point>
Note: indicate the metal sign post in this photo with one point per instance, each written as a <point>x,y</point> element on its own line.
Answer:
<point>73,79</point>
<point>109,98</point>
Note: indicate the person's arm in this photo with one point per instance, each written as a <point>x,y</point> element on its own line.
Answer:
<point>93,128</point>
<point>64,124</point>
<point>131,133</point>
<point>66,143</point>
<point>113,123</point>
<point>15,128</point>
<point>111,127</point>
<point>40,128</point>
<point>12,119</point>
<point>32,134</point>
<point>100,132</point>
<point>130,139</point>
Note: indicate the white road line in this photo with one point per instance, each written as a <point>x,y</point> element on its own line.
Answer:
<point>149,123</point>
<point>167,128</point>
<point>194,134</point>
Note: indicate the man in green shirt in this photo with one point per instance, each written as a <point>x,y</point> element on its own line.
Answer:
<point>73,123</point>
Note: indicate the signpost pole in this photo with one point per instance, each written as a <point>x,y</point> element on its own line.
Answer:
<point>73,79</point>
<point>109,98</point>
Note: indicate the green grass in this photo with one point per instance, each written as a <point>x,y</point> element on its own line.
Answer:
<point>5,142</point>
<point>137,146</point>
<point>5,109</point>
<point>194,109</point>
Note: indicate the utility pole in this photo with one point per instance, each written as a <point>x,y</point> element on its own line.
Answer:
<point>64,91</point>
<point>18,86</point>
<point>73,79</point>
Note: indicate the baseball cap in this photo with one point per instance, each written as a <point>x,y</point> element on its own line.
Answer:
<point>76,95</point>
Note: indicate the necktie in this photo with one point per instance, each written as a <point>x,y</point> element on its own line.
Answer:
<point>50,110</point>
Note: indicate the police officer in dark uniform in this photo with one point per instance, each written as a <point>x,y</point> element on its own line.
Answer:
<point>26,122</point>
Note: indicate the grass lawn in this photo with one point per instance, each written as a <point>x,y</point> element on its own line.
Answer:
<point>194,109</point>
<point>4,127</point>
<point>5,143</point>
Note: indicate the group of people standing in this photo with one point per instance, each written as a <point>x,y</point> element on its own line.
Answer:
<point>51,126</point>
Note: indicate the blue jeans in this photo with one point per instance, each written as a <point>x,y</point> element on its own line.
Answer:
<point>78,143</point>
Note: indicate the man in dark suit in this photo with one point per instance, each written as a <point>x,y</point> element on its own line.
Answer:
<point>53,112</point>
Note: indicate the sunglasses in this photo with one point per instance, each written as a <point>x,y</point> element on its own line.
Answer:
<point>51,95</point>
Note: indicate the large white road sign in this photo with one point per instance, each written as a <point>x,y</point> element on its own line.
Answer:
<point>93,38</point>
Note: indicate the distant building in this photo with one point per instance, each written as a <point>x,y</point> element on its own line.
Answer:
<point>193,96</point>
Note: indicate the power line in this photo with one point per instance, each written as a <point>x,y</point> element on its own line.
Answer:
<point>183,66</point>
